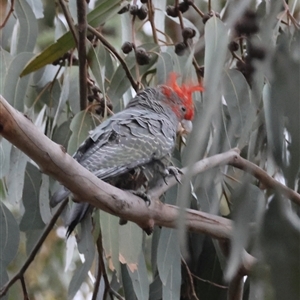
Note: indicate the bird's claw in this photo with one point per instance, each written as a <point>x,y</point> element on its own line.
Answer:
<point>171,170</point>
<point>142,195</point>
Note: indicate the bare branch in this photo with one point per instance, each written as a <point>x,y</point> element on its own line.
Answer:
<point>11,10</point>
<point>82,29</point>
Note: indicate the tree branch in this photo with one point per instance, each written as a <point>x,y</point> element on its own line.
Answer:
<point>82,29</point>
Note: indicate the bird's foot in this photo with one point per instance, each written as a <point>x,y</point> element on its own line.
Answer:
<point>173,171</point>
<point>142,195</point>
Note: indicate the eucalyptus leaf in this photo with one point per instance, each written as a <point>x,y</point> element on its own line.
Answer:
<point>155,292</point>
<point>14,86</point>
<point>248,203</point>
<point>28,27</point>
<point>5,59</point>
<point>97,65</point>
<point>168,254</point>
<point>3,280</point>
<point>130,243</point>
<point>236,92</point>
<point>171,288</point>
<point>109,230</point>
<point>86,246</point>
<point>45,210</point>
<point>32,237</point>
<point>139,279</point>
<point>5,148</point>
<point>80,126</point>
<point>37,8</point>
<point>10,236</point>
<point>164,66</point>
<point>280,243</point>
<point>62,134</point>
<point>31,219</point>
<point>15,178</point>
<point>105,10</point>
<point>127,284</point>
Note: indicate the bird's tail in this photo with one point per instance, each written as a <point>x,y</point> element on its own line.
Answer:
<point>61,194</point>
<point>77,213</point>
<point>78,210</point>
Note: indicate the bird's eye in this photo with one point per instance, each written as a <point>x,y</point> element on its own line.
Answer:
<point>183,108</point>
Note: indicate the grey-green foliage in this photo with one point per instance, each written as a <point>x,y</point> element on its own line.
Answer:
<point>260,117</point>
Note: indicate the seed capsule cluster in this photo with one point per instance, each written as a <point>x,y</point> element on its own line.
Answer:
<point>244,31</point>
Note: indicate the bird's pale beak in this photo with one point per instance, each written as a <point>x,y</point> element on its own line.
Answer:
<point>184,127</point>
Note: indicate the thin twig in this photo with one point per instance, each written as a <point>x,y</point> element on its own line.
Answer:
<point>11,10</point>
<point>34,251</point>
<point>151,13</point>
<point>265,178</point>
<point>24,288</point>
<point>100,269</point>
<point>209,5</point>
<point>69,20</point>
<point>179,14</point>
<point>117,55</point>
<point>191,282</point>
<point>236,288</point>
<point>82,29</point>
<point>195,7</point>
<point>211,283</point>
<point>102,272</point>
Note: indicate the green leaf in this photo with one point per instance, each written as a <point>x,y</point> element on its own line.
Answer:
<point>242,113</point>
<point>168,253</point>
<point>248,204</point>
<point>140,279</point>
<point>32,236</point>
<point>37,8</point>
<point>3,280</point>
<point>31,219</point>
<point>96,58</point>
<point>15,87</point>
<point>280,243</point>
<point>127,284</point>
<point>5,148</point>
<point>5,59</point>
<point>74,90</point>
<point>130,243</point>
<point>28,27</point>
<point>62,134</point>
<point>171,288</point>
<point>80,126</point>
<point>63,97</point>
<point>163,67</point>
<point>110,229</point>
<point>103,12</point>
<point>15,179</point>
<point>155,292</point>
<point>45,210</point>
<point>10,236</point>
<point>86,246</point>
<point>216,39</point>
